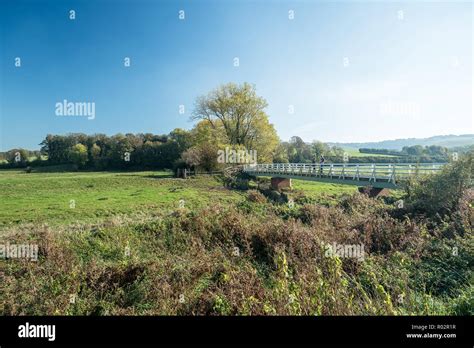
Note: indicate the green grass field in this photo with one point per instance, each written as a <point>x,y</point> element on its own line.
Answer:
<point>69,197</point>
<point>322,192</point>
<point>65,197</point>
<point>355,153</point>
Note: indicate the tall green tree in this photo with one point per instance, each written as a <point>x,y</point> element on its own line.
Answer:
<point>238,112</point>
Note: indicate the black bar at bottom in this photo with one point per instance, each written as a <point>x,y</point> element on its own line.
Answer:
<point>290,331</point>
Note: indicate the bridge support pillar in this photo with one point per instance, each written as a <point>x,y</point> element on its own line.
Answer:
<point>279,183</point>
<point>374,191</point>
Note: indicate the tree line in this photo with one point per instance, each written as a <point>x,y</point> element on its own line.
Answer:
<point>231,117</point>
<point>432,153</point>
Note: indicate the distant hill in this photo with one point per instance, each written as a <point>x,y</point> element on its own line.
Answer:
<point>448,141</point>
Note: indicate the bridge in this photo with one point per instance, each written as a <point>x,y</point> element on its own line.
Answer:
<point>378,176</point>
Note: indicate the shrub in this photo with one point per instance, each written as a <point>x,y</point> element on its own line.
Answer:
<point>256,196</point>
<point>464,303</point>
<point>441,194</point>
<point>17,157</point>
<point>445,265</point>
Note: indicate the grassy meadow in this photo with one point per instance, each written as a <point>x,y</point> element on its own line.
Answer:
<point>45,197</point>
<point>356,153</point>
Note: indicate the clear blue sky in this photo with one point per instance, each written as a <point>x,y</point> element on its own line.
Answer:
<point>409,73</point>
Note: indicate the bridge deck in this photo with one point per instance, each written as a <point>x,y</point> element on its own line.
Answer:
<point>380,175</point>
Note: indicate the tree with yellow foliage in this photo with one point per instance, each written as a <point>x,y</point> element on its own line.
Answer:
<point>233,115</point>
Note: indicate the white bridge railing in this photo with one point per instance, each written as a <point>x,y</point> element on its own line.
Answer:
<point>373,172</point>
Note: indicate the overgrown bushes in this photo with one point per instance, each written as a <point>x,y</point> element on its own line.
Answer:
<point>224,261</point>
<point>442,194</point>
